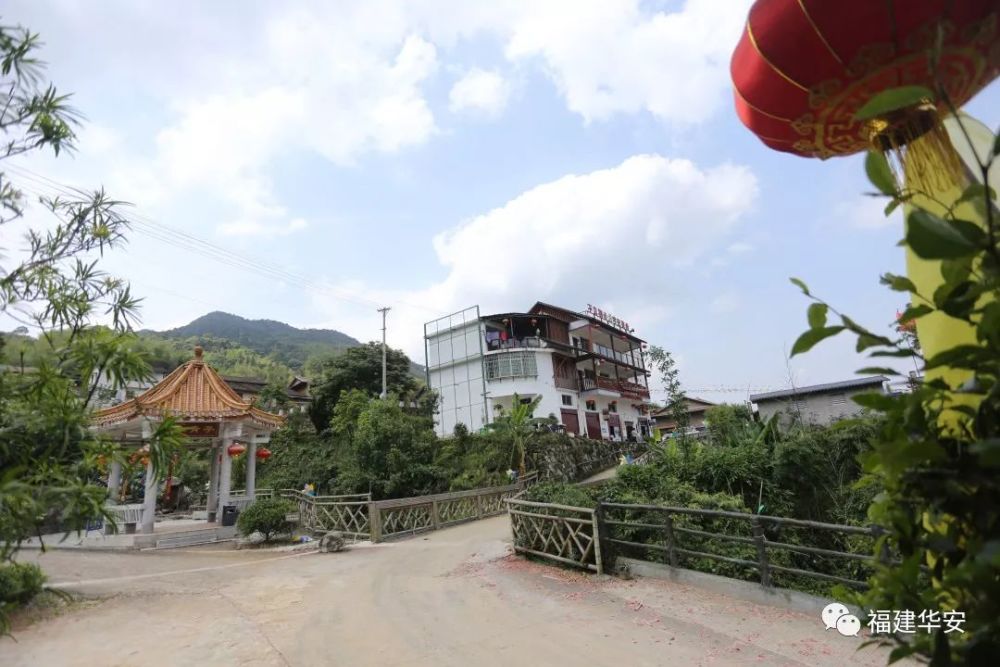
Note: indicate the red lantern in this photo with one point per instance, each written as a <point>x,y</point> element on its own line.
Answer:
<point>803,68</point>
<point>263,453</point>
<point>236,449</point>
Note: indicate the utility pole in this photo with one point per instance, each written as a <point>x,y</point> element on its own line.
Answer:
<point>384,311</point>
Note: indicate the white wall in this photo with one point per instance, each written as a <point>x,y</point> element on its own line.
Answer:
<point>502,390</point>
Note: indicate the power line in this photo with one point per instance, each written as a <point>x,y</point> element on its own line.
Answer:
<point>182,240</point>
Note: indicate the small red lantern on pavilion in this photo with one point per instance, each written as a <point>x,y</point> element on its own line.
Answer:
<point>263,453</point>
<point>236,449</point>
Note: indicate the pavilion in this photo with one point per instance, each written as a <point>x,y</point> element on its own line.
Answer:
<point>212,415</point>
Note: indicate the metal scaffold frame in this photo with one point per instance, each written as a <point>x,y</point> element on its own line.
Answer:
<point>450,335</point>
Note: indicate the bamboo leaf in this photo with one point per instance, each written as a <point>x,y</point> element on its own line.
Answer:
<point>898,283</point>
<point>879,173</point>
<point>865,341</point>
<point>893,99</point>
<point>877,370</point>
<point>931,237</point>
<point>915,312</point>
<point>817,315</point>
<point>809,339</point>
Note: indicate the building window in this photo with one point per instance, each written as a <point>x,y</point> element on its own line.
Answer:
<point>592,406</point>
<point>838,399</point>
<point>567,399</point>
<point>613,406</point>
<point>511,365</point>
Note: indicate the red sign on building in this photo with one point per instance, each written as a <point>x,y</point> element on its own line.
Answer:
<point>609,319</point>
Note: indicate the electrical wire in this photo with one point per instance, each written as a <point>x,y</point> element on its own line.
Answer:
<point>170,235</point>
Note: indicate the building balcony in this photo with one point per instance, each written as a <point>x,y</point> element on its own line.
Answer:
<point>493,344</point>
<point>567,383</point>
<point>622,388</point>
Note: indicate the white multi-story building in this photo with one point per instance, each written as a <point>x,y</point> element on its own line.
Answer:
<point>588,369</point>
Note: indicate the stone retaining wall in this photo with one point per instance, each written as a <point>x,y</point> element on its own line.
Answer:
<point>573,459</point>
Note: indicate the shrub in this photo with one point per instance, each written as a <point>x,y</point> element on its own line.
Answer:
<point>267,516</point>
<point>20,582</point>
<point>560,494</point>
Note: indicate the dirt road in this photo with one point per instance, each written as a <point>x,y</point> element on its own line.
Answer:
<point>454,597</point>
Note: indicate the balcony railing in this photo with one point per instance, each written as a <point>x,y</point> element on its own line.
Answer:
<point>623,387</point>
<point>567,383</point>
<point>633,389</point>
<point>513,343</point>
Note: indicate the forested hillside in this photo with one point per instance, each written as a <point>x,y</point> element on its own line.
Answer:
<point>278,341</point>
<point>234,345</point>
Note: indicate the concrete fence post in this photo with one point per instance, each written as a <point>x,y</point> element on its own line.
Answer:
<point>668,528</point>
<point>760,543</point>
<point>606,553</point>
<point>598,561</point>
<point>374,522</point>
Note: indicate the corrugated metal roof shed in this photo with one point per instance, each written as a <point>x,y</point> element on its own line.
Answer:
<point>820,388</point>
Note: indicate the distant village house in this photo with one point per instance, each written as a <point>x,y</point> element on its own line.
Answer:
<point>820,403</point>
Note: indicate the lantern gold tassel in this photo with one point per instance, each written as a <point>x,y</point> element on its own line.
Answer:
<point>919,149</point>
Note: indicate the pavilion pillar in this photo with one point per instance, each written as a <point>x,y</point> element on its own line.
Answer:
<point>251,482</point>
<point>114,482</point>
<point>149,499</point>
<point>225,474</point>
<point>149,493</point>
<point>212,504</point>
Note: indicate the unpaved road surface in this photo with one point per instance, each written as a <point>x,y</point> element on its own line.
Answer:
<point>454,597</point>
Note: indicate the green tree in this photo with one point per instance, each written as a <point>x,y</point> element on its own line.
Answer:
<point>267,516</point>
<point>48,456</point>
<point>730,424</point>
<point>298,456</point>
<point>357,368</point>
<point>517,424</point>
<point>677,406</point>
<point>392,454</point>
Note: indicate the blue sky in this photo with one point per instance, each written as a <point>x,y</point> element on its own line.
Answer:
<point>431,156</point>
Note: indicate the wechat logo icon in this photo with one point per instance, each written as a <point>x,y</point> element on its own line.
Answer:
<point>837,616</point>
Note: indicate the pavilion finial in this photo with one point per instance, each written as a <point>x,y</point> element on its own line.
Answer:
<point>198,351</point>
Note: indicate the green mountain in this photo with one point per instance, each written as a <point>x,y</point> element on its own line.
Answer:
<point>263,348</point>
<point>276,340</point>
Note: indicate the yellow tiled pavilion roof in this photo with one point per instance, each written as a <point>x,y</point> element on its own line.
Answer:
<point>194,392</point>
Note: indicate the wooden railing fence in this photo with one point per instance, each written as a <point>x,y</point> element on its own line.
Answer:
<point>561,533</point>
<point>359,517</point>
<point>680,537</point>
<point>345,513</point>
<point>402,516</point>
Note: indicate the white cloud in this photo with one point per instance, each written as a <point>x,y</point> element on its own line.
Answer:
<point>480,90</point>
<point>344,81</point>
<point>621,238</point>
<point>865,212</point>
<point>615,57</point>
<point>323,81</point>
<point>739,248</point>
<point>724,303</point>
